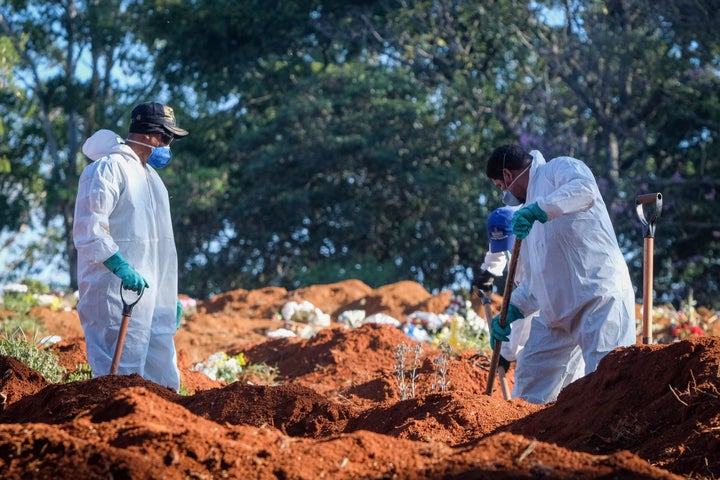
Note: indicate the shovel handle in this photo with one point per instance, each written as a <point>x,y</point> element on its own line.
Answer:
<point>648,198</point>
<point>648,253</point>
<point>119,345</point>
<point>486,300</point>
<point>503,383</point>
<point>648,248</point>
<point>503,315</point>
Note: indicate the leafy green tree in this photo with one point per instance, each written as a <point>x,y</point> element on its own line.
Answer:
<point>71,57</point>
<point>469,59</point>
<point>349,178</point>
<point>489,82</point>
<point>336,139</point>
<point>251,49</point>
<point>21,183</point>
<point>684,165</point>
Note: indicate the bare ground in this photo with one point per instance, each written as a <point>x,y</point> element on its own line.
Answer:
<point>649,411</point>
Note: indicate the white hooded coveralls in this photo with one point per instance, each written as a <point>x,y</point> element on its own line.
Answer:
<point>123,206</point>
<point>575,275</point>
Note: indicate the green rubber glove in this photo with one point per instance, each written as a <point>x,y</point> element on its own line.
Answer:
<point>500,333</point>
<point>524,218</point>
<point>179,315</point>
<point>131,279</point>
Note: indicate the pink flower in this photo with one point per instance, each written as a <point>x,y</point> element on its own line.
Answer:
<point>685,330</point>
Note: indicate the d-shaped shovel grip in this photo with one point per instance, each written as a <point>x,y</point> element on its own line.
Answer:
<point>128,307</point>
<point>127,311</point>
<point>648,223</point>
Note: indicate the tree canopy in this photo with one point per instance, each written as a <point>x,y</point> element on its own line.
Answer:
<point>333,140</point>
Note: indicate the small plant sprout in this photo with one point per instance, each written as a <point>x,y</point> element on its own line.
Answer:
<point>406,385</point>
<point>417,355</point>
<point>400,357</point>
<point>440,370</point>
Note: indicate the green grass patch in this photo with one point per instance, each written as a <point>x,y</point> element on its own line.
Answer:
<point>81,372</point>
<point>32,355</point>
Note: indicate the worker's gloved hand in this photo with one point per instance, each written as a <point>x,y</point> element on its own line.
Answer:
<point>522,221</point>
<point>483,281</point>
<point>500,333</point>
<point>131,279</point>
<point>178,314</point>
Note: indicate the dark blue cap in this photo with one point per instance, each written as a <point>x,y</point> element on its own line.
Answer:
<point>499,230</point>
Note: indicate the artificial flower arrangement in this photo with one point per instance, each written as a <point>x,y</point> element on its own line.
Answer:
<point>221,366</point>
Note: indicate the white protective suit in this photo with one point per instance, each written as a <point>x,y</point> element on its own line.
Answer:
<point>575,275</point>
<point>123,206</point>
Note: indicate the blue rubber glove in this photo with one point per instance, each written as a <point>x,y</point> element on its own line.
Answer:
<point>524,218</point>
<point>131,279</point>
<point>179,315</point>
<point>503,334</point>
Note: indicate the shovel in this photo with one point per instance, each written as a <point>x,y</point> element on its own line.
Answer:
<point>486,299</point>
<point>655,200</point>
<point>127,312</point>
<point>503,315</point>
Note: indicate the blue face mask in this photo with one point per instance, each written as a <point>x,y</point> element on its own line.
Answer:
<point>159,157</point>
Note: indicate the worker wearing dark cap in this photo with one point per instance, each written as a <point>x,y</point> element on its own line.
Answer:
<point>123,235</point>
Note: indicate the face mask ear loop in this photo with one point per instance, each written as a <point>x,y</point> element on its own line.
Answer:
<point>139,143</point>
<point>508,185</point>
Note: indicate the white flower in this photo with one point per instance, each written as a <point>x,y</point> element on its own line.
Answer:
<point>220,366</point>
<point>353,318</point>
<point>46,300</point>
<point>15,288</point>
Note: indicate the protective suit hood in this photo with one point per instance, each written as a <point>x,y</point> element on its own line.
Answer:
<point>538,158</point>
<point>104,142</point>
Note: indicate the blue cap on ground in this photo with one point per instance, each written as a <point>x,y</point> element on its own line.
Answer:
<point>499,230</point>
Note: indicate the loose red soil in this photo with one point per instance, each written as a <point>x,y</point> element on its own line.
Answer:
<point>335,410</point>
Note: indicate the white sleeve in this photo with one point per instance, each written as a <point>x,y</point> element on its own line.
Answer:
<point>575,188</point>
<point>98,191</point>
<point>495,262</point>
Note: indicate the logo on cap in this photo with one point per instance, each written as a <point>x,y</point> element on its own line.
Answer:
<point>169,113</point>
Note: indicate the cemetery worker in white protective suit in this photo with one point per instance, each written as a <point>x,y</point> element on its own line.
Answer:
<point>574,273</point>
<point>501,241</point>
<point>123,233</point>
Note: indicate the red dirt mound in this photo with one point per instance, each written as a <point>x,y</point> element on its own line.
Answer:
<point>659,401</point>
<point>335,409</point>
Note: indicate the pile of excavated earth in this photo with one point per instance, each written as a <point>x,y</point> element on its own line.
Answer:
<point>332,407</point>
